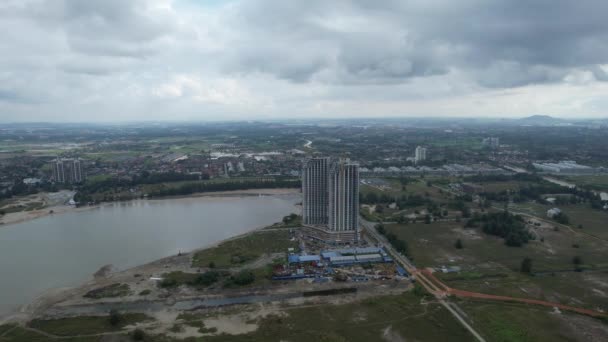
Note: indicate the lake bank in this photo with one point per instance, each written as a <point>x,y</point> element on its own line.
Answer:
<point>64,250</point>
<point>24,216</point>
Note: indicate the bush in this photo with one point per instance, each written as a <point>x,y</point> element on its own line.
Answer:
<point>562,218</point>
<point>458,244</point>
<point>243,278</point>
<point>207,278</point>
<point>526,266</point>
<point>138,335</point>
<point>114,318</point>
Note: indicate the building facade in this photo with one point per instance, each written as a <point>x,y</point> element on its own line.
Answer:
<point>68,171</point>
<point>314,191</point>
<point>330,201</point>
<point>492,142</point>
<point>420,154</point>
<point>343,196</point>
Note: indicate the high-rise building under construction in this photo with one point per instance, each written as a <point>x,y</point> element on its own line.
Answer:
<point>330,204</point>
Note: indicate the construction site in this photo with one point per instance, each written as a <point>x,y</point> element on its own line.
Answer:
<point>340,264</point>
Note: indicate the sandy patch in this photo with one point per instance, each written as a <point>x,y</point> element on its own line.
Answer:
<point>244,322</point>
<point>470,234</point>
<point>391,336</point>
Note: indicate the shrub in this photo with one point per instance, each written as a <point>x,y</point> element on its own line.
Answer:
<point>138,335</point>
<point>243,278</point>
<point>114,318</point>
<point>526,266</point>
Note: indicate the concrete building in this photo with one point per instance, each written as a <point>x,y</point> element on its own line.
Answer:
<point>343,196</point>
<point>330,202</point>
<point>419,154</point>
<point>315,175</point>
<point>67,171</point>
<point>551,213</point>
<point>491,142</point>
<point>565,167</point>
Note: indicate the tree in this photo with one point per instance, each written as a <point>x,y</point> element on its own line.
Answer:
<point>577,260</point>
<point>458,244</point>
<point>427,219</point>
<point>138,335</point>
<point>526,266</point>
<point>114,318</point>
<point>243,278</point>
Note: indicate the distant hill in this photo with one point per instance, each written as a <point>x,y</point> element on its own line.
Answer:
<point>540,120</point>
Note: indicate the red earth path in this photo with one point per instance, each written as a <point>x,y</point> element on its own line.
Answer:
<point>446,290</point>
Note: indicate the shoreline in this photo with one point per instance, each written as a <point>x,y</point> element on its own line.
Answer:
<point>107,275</point>
<point>24,216</point>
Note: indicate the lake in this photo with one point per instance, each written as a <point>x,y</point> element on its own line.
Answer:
<point>65,250</point>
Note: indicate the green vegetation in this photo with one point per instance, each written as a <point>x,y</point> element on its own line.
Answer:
<point>526,266</point>
<point>6,327</point>
<point>173,184</point>
<point>366,320</point>
<point>110,291</point>
<point>87,325</point>
<point>504,224</point>
<point>517,323</point>
<point>242,278</point>
<point>400,245</point>
<point>561,218</point>
<point>138,335</point>
<point>199,280</point>
<point>145,292</point>
<point>596,182</point>
<point>243,249</point>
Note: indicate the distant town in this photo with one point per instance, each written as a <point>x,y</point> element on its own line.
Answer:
<point>456,230</point>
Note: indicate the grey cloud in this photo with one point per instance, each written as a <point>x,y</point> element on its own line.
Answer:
<point>109,55</point>
<point>98,28</point>
<point>531,42</point>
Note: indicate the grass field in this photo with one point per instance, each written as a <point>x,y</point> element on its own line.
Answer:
<point>489,266</point>
<point>398,317</point>
<point>502,186</point>
<point>171,185</point>
<point>518,323</point>
<point>238,251</point>
<point>593,221</point>
<point>598,182</point>
<point>416,187</point>
<point>86,325</point>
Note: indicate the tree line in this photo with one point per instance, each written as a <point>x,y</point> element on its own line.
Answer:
<point>511,228</point>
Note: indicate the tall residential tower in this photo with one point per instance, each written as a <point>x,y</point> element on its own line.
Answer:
<point>314,191</point>
<point>67,170</point>
<point>419,154</point>
<point>330,205</point>
<point>343,196</point>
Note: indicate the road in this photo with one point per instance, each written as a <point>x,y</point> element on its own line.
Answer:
<point>421,278</point>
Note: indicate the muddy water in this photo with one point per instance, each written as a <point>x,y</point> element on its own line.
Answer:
<point>66,249</point>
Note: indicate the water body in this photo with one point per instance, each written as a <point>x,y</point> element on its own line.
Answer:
<point>66,249</point>
<point>603,195</point>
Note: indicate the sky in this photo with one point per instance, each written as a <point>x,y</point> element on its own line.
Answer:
<point>150,60</point>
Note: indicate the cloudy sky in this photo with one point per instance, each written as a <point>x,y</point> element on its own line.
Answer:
<point>118,60</point>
